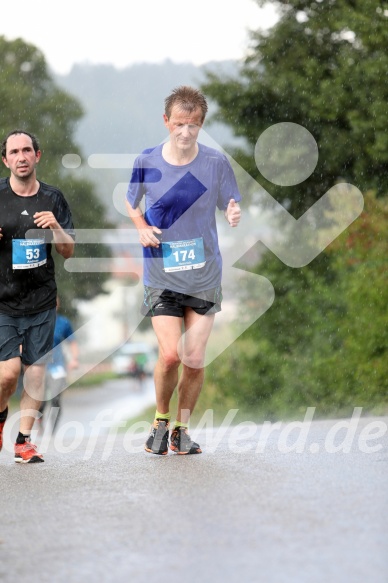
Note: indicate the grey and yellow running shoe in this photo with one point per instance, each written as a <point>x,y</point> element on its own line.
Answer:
<point>157,441</point>
<point>182,443</point>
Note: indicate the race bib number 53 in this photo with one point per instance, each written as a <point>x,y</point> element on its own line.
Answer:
<point>28,253</point>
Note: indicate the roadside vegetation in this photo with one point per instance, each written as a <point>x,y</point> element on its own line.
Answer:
<point>324,341</point>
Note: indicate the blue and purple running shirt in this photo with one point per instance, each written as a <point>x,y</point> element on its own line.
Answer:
<point>182,202</point>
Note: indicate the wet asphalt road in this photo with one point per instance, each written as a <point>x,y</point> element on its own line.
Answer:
<point>303,504</point>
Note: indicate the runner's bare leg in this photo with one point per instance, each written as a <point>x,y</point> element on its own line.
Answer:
<point>32,396</point>
<point>9,374</point>
<point>168,330</point>
<point>197,332</point>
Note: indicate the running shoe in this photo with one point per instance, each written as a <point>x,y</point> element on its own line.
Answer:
<point>182,443</point>
<point>157,441</point>
<point>27,453</point>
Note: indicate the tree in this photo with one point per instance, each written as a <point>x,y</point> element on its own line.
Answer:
<point>323,66</point>
<point>30,100</point>
<point>360,256</point>
<point>324,341</point>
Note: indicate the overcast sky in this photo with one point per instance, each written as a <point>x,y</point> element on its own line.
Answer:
<point>123,33</point>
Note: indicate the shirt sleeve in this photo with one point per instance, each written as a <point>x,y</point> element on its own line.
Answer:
<point>145,171</point>
<point>69,332</point>
<point>63,215</point>
<point>135,190</point>
<point>65,329</point>
<point>228,185</point>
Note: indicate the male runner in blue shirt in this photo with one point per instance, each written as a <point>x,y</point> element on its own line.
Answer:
<point>183,183</point>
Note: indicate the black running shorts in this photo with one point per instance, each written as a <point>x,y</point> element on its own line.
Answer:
<point>158,302</point>
<point>35,333</point>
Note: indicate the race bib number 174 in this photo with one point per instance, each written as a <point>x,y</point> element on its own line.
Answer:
<point>183,255</point>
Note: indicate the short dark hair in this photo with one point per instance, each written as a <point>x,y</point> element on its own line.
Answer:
<point>34,139</point>
<point>186,98</point>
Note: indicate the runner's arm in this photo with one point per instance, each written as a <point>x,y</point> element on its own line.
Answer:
<point>146,232</point>
<point>74,352</point>
<point>64,243</point>
<point>233,213</point>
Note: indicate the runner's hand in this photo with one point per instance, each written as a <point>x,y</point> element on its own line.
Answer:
<point>233,213</point>
<point>148,237</point>
<point>46,220</point>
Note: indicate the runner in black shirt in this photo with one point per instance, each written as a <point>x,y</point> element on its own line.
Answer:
<point>27,280</point>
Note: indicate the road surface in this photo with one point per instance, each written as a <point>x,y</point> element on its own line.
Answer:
<point>302,503</point>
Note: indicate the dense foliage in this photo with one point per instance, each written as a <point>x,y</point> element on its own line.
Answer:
<point>324,342</point>
<point>323,66</point>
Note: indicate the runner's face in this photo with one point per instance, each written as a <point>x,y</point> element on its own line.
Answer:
<point>21,157</point>
<point>183,127</point>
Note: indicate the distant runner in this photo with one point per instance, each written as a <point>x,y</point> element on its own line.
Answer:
<point>57,369</point>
